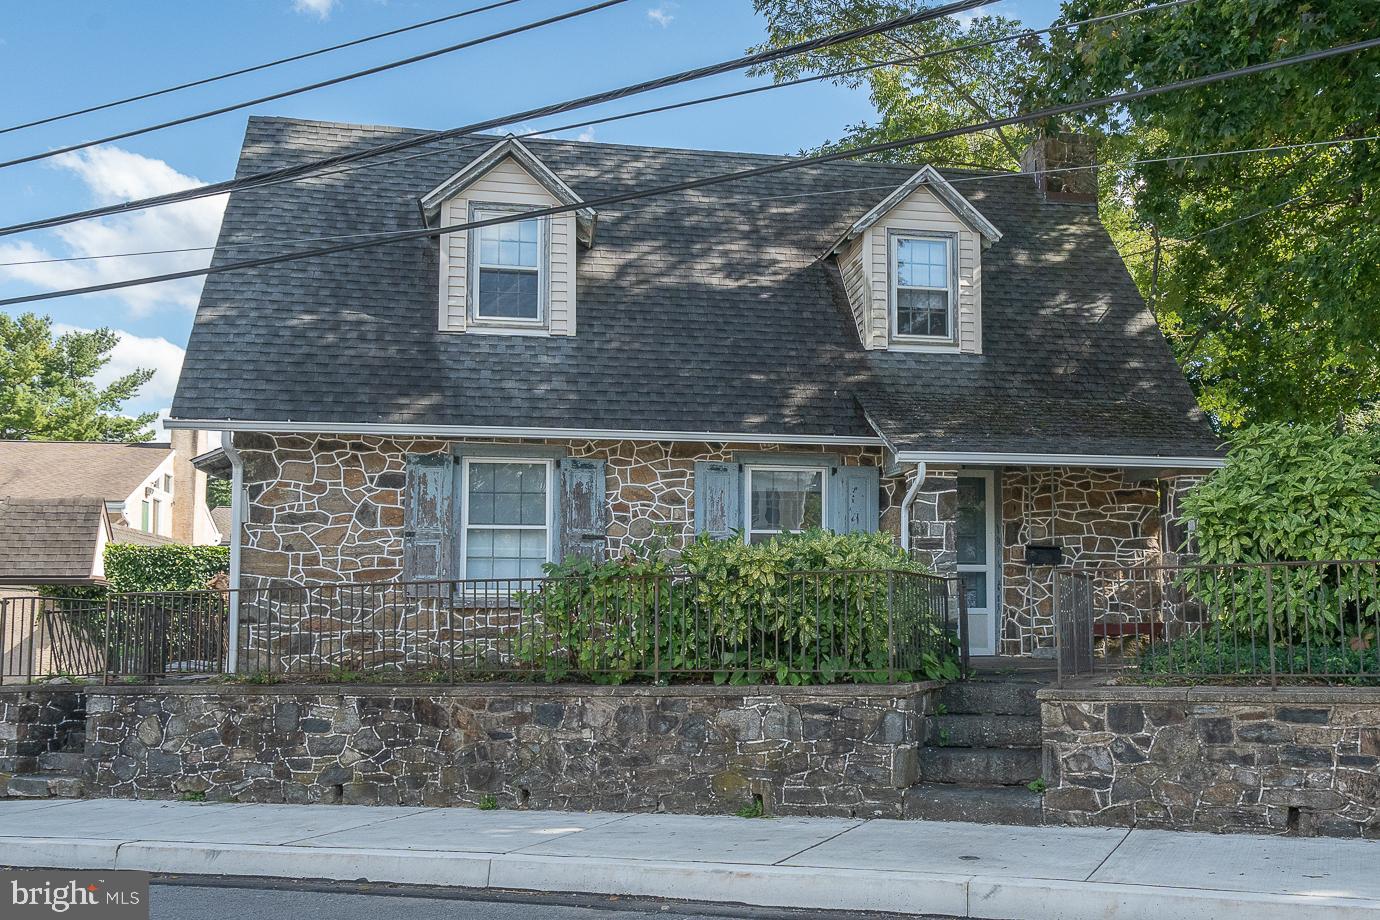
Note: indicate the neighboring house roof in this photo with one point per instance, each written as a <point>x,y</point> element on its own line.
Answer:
<point>221,517</point>
<point>713,311</point>
<point>61,469</point>
<point>119,533</point>
<point>52,540</point>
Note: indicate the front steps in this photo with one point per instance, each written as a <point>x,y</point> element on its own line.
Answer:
<point>982,751</point>
<point>53,774</point>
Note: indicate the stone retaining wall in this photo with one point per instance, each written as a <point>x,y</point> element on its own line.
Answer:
<point>1302,760</point>
<point>34,722</point>
<point>847,751</point>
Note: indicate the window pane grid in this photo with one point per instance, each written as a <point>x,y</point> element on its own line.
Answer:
<point>508,269</point>
<point>784,501</point>
<point>506,527</point>
<point>923,288</point>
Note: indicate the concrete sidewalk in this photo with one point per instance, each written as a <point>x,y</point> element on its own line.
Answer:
<point>961,870</point>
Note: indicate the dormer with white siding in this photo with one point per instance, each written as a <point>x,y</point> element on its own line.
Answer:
<point>515,277</point>
<point>912,269</point>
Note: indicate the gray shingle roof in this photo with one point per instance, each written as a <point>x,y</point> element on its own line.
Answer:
<point>60,469</point>
<point>50,540</point>
<point>700,312</point>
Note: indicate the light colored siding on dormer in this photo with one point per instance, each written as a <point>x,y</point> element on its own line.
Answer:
<point>923,212</point>
<point>856,285</point>
<point>510,184</point>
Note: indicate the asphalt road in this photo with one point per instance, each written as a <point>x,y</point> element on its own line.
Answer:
<point>177,900</point>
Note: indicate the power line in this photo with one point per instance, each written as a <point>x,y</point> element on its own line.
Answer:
<point>295,171</point>
<point>257,67</point>
<point>766,169</point>
<point>1175,158</point>
<point>320,84</point>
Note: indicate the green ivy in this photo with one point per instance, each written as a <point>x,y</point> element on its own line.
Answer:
<point>1291,493</point>
<point>170,567</point>
<point>806,608</point>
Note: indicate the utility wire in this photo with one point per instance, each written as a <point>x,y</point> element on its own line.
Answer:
<point>958,180</point>
<point>766,169</point>
<point>257,67</point>
<point>297,170</point>
<point>297,90</point>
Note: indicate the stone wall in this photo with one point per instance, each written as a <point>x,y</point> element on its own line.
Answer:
<point>1093,514</point>
<point>1302,760</point>
<point>34,722</point>
<point>323,509</point>
<point>823,751</point>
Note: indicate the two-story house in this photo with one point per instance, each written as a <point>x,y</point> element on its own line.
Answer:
<point>957,357</point>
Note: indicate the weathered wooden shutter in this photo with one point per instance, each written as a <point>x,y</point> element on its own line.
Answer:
<point>718,498</point>
<point>853,499</point>
<point>582,515</point>
<point>428,535</point>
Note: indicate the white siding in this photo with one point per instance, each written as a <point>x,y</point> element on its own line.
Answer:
<point>855,284</point>
<point>923,212</point>
<point>507,183</point>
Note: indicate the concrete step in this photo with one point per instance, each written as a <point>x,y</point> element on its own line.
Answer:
<point>979,766</point>
<point>999,697</point>
<point>993,731</point>
<point>62,763</point>
<point>67,787</point>
<point>978,804</point>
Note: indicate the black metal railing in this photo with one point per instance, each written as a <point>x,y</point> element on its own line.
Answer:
<point>1265,623</point>
<point>786,627</point>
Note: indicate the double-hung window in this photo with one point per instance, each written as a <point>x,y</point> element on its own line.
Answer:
<point>922,287</point>
<point>507,515</point>
<point>784,499</point>
<point>508,270</point>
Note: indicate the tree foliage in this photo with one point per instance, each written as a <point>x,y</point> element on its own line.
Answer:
<point>167,567</point>
<point>1268,281</point>
<point>912,97</point>
<point>47,391</point>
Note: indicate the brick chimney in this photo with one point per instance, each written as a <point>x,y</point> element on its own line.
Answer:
<point>1050,158</point>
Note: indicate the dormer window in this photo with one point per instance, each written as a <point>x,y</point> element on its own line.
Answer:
<point>509,269</point>
<point>923,287</point>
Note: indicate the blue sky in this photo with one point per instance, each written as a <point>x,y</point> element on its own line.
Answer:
<point>57,57</point>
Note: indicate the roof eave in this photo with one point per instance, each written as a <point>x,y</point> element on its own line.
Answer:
<point>930,178</point>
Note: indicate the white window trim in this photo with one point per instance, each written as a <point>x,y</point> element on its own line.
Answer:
<point>993,550</point>
<point>549,526</point>
<point>783,468</point>
<point>950,241</point>
<point>542,271</point>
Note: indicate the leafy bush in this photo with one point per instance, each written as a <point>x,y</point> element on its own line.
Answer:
<point>741,613</point>
<point>170,567</point>
<point>1290,493</point>
<point>1232,655</point>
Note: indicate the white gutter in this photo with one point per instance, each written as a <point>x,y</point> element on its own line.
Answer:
<point>914,490</point>
<point>929,456</point>
<point>236,521</point>
<point>474,431</point>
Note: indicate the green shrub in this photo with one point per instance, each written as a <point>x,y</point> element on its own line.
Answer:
<point>741,613</point>
<point>170,567</point>
<point>1233,655</point>
<point>1290,493</point>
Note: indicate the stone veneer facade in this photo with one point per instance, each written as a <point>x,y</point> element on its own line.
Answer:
<point>35,722</point>
<point>844,751</point>
<point>324,509</point>
<point>1299,759</point>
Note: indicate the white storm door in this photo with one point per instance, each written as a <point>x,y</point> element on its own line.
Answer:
<point>977,559</point>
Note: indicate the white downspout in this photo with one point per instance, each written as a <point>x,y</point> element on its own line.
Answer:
<point>236,525</point>
<point>914,490</point>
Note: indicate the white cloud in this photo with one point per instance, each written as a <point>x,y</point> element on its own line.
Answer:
<point>321,9</point>
<point>110,175</point>
<point>662,14</point>
<point>132,352</point>
<point>586,135</point>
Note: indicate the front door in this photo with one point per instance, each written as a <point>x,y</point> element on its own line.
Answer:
<point>977,559</point>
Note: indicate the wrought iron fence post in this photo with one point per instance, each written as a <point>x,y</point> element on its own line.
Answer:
<point>656,629</point>
<point>890,626</point>
<point>1270,624</point>
<point>105,663</point>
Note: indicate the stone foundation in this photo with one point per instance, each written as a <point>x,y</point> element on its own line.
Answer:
<point>847,751</point>
<point>1301,760</point>
<point>34,722</point>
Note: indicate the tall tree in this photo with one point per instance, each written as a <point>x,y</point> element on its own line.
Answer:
<point>912,96</point>
<point>47,391</point>
<point>1264,269</point>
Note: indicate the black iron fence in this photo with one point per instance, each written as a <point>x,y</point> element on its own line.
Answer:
<point>1265,623</point>
<point>784,627</point>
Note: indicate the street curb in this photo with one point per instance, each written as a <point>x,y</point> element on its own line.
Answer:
<point>975,896</point>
